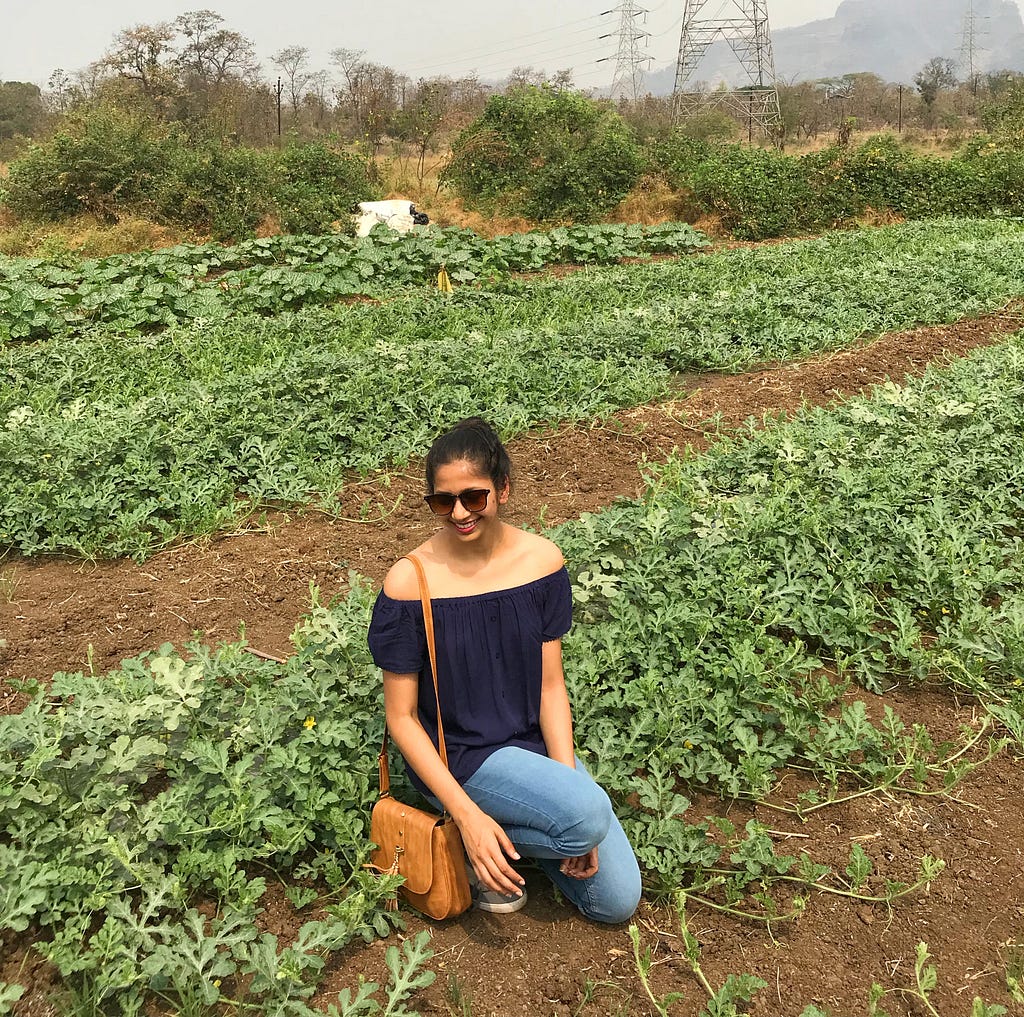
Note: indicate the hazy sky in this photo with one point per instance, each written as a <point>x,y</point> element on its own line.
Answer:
<point>416,37</point>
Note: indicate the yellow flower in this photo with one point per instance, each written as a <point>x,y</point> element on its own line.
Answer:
<point>688,744</point>
<point>309,722</point>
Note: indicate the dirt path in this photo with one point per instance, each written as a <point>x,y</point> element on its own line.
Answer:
<point>543,961</point>
<point>52,611</point>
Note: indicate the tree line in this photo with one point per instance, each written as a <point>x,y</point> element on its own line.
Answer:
<point>197,69</point>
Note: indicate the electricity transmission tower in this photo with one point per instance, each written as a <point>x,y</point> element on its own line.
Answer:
<point>629,63</point>
<point>743,24</point>
<point>970,51</point>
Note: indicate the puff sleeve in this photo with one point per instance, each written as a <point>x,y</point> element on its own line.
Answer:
<point>397,639</point>
<point>556,609</point>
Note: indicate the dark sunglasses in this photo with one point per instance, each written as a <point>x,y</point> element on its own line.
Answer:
<point>474,499</point>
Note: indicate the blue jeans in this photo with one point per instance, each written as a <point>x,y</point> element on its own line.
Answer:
<point>550,812</point>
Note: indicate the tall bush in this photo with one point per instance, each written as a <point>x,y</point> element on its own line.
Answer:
<point>754,193</point>
<point>101,160</point>
<point>219,189</point>
<point>318,186</point>
<point>116,164</point>
<point>546,154</point>
<point>759,194</point>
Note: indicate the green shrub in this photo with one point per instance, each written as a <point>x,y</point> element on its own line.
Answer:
<point>318,186</point>
<point>100,161</point>
<point>755,193</point>
<point>115,164</point>
<point>545,154</point>
<point>212,187</point>
<point>1003,118</point>
<point>759,194</point>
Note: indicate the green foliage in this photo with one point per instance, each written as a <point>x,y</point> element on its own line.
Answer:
<point>112,163</point>
<point>100,161</point>
<point>839,551</point>
<point>547,154</point>
<point>42,298</point>
<point>1003,118</point>
<point>216,187</point>
<point>117,444</point>
<point>9,995</point>
<point>759,193</point>
<point>126,802</point>
<point>756,193</point>
<point>142,811</point>
<point>926,979</point>
<point>319,187</point>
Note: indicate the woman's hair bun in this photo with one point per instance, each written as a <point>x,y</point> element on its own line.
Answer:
<point>473,440</point>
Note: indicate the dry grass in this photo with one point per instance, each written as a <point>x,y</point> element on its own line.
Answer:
<point>400,179</point>
<point>652,201</point>
<point>939,143</point>
<point>84,236</point>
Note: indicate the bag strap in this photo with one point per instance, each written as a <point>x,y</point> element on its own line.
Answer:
<point>383,773</point>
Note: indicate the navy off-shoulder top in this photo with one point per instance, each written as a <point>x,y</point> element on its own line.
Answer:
<point>488,659</point>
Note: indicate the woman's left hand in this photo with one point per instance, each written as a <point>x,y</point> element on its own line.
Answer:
<point>582,867</point>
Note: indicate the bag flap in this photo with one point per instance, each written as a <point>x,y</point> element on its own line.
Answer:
<point>403,834</point>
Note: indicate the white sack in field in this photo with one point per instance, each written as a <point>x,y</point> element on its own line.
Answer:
<point>397,215</point>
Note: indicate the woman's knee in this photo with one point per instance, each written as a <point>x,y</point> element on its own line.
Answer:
<point>617,901</point>
<point>593,817</point>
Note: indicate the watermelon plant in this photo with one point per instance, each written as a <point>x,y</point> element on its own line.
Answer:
<point>120,444</point>
<point>146,813</point>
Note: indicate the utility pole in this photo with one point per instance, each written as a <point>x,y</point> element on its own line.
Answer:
<point>743,24</point>
<point>630,60</point>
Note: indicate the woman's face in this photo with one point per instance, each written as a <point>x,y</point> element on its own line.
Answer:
<point>459,476</point>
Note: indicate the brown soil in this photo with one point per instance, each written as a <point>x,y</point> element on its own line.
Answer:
<point>68,615</point>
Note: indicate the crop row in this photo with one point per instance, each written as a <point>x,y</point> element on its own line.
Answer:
<point>719,625</point>
<point>140,293</point>
<point>117,445</point>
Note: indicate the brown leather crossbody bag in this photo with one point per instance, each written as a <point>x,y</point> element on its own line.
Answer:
<point>422,846</point>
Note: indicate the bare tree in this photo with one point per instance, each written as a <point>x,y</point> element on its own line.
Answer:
<point>318,89</point>
<point>62,92</point>
<point>422,115</point>
<point>379,87</point>
<point>522,77</point>
<point>370,93</point>
<point>350,63</point>
<point>213,54</point>
<point>293,61</point>
<point>143,55</point>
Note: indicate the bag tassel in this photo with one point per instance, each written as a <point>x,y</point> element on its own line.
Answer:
<point>391,904</point>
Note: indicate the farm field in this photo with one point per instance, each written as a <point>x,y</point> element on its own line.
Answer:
<point>117,445</point>
<point>729,624</point>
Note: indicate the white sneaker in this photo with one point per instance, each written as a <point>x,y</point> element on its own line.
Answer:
<point>497,903</point>
<point>492,900</point>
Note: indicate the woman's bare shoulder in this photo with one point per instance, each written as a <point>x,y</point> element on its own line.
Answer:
<point>401,582</point>
<point>544,555</point>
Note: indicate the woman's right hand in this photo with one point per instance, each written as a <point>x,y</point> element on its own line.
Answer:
<point>488,849</point>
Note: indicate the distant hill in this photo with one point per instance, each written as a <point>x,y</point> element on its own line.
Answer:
<point>891,38</point>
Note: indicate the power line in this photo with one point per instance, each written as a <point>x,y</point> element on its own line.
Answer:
<point>517,43</point>
<point>970,51</point>
<point>555,56</point>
